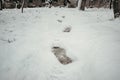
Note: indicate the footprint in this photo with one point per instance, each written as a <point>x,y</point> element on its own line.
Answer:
<point>8,40</point>
<point>67,29</point>
<point>60,21</point>
<point>60,54</point>
<point>63,16</point>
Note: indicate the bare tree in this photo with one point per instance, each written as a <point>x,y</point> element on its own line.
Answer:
<point>111,4</point>
<point>66,2</point>
<point>1,5</point>
<point>23,5</point>
<point>83,4</point>
<point>79,3</point>
<point>116,8</point>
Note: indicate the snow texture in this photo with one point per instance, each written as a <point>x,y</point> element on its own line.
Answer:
<point>26,40</point>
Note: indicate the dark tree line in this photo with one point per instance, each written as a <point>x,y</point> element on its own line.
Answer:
<point>115,3</point>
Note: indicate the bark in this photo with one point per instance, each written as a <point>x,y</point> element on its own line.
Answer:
<point>110,4</point>
<point>1,5</point>
<point>79,3</point>
<point>23,5</point>
<point>116,8</point>
<point>83,4</point>
<point>66,1</point>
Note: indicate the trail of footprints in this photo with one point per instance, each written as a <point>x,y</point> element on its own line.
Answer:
<point>60,52</point>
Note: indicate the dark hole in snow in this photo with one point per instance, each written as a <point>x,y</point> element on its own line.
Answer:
<point>55,47</point>
<point>63,16</point>
<point>60,21</point>
<point>60,54</point>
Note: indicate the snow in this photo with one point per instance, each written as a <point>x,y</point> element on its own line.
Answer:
<point>26,40</point>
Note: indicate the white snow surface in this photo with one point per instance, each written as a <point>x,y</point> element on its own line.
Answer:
<point>26,40</point>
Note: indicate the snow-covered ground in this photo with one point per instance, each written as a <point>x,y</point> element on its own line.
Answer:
<point>26,41</point>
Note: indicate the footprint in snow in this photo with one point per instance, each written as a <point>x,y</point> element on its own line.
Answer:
<point>67,29</point>
<point>60,21</point>
<point>60,54</point>
<point>8,40</point>
<point>63,16</point>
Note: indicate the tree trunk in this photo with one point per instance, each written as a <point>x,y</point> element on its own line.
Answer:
<point>116,8</point>
<point>1,5</point>
<point>110,4</point>
<point>23,5</point>
<point>66,2</point>
<point>83,4</point>
<point>79,3</point>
